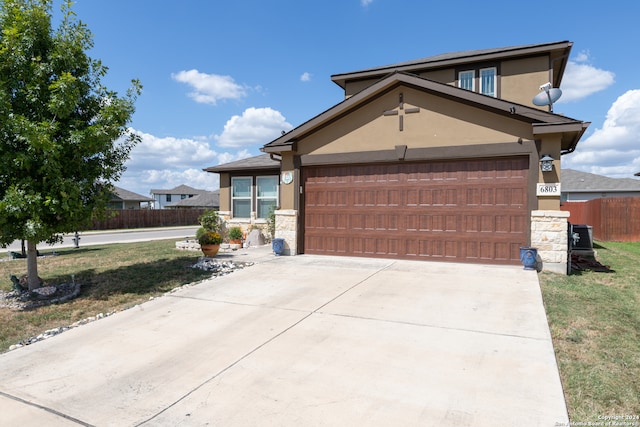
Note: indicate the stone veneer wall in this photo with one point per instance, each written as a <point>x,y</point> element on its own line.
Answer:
<point>549,235</point>
<point>287,229</point>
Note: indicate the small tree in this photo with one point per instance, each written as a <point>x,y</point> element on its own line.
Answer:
<point>63,135</point>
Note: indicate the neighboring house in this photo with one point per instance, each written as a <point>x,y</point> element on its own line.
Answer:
<point>582,186</point>
<point>124,199</point>
<point>162,198</point>
<point>204,200</point>
<point>433,159</point>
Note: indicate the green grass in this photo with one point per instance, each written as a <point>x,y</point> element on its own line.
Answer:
<point>113,277</point>
<point>595,325</point>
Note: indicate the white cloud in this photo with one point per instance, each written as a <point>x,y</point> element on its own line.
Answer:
<point>168,153</point>
<point>210,88</point>
<point>256,126</point>
<point>366,3</point>
<point>582,79</point>
<point>305,77</point>
<point>232,157</point>
<point>613,149</point>
<point>167,162</point>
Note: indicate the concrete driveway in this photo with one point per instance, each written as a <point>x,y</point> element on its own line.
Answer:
<point>304,341</point>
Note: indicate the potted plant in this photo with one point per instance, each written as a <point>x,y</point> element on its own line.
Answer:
<point>209,241</point>
<point>235,237</point>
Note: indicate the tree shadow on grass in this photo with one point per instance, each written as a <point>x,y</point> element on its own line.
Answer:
<point>144,278</point>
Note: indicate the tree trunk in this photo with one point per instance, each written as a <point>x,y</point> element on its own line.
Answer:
<point>24,250</point>
<point>32,265</point>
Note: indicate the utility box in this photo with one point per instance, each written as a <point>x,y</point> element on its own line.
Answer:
<point>585,236</point>
<point>581,240</point>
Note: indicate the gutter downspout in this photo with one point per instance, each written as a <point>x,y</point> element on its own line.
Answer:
<point>273,156</point>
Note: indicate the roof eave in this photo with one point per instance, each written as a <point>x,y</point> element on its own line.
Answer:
<point>465,57</point>
<point>572,133</point>
<point>545,122</point>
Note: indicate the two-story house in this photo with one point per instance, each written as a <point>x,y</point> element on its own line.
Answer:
<point>433,159</point>
<point>162,199</point>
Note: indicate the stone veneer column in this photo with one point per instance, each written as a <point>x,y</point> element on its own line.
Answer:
<point>549,235</point>
<point>287,229</point>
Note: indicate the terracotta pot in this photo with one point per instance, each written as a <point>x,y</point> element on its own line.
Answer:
<point>210,250</point>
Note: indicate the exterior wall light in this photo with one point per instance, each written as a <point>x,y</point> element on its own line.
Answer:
<point>546,163</point>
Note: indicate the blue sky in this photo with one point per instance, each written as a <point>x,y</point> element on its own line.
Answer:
<point>221,79</point>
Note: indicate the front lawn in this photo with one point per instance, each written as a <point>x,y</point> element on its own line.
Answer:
<point>113,277</point>
<point>595,325</point>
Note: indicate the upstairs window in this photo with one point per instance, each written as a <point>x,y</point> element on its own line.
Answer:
<point>482,80</point>
<point>168,198</point>
<point>488,81</point>
<point>466,80</point>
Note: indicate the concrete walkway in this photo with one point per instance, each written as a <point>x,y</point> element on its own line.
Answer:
<point>304,341</point>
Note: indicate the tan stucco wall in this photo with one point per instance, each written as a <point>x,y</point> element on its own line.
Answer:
<point>451,124</point>
<point>351,88</point>
<point>288,191</point>
<point>521,79</point>
<point>447,75</point>
<point>225,192</point>
<point>550,144</point>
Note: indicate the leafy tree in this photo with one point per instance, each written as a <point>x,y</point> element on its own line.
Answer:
<point>63,135</point>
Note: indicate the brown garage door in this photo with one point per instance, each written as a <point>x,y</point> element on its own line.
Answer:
<point>463,210</point>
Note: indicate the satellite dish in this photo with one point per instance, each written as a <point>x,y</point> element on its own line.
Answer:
<point>548,96</point>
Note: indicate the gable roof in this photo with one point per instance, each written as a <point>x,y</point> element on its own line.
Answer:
<point>209,199</point>
<point>261,162</point>
<point>128,196</point>
<point>181,189</point>
<point>574,181</point>
<point>542,122</point>
<point>558,50</point>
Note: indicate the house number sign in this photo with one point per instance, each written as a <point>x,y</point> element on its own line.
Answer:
<point>548,189</point>
<point>287,177</point>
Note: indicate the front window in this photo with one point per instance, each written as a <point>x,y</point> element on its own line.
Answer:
<point>266,195</point>
<point>466,80</point>
<point>488,81</point>
<point>241,197</point>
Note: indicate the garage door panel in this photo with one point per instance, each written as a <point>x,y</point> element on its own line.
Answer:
<point>469,210</point>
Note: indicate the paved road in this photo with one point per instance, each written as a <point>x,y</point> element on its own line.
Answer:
<point>90,238</point>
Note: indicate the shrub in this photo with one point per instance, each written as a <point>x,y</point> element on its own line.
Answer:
<point>210,220</point>
<point>271,222</point>
<point>235,233</point>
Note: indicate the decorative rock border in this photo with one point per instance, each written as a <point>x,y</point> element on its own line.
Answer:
<point>27,300</point>
<point>218,268</point>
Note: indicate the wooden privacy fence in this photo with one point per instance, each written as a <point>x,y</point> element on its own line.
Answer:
<point>614,219</point>
<point>145,218</point>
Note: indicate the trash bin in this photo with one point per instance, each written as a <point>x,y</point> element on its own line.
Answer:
<point>528,257</point>
<point>277,244</point>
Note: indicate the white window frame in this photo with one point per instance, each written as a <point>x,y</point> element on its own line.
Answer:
<point>233,198</point>
<point>473,79</point>
<point>494,93</point>
<point>258,197</point>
